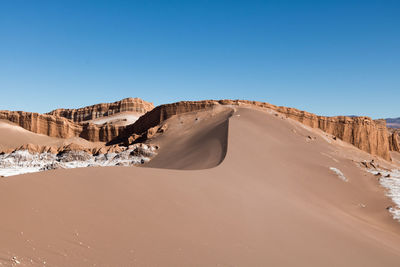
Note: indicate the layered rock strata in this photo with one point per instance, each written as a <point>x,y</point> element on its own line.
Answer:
<point>104,109</point>
<point>60,127</point>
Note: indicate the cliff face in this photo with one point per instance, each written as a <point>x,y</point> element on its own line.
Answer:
<point>42,124</point>
<point>105,109</point>
<point>55,126</point>
<point>362,132</point>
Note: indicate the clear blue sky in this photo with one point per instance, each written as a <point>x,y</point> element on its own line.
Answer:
<point>326,57</point>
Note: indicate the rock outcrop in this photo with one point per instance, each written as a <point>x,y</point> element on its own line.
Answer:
<point>43,124</point>
<point>60,127</point>
<point>104,109</point>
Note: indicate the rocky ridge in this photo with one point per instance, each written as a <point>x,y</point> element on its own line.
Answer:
<point>104,109</point>
<point>55,126</point>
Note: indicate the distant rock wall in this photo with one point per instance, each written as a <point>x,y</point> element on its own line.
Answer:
<point>43,124</point>
<point>393,123</point>
<point>105,109</point>
<point>59,127</point>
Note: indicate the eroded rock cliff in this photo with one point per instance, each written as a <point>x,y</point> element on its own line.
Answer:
<point>104,109</point>
<point>55,126</point>
<point>43,124</point>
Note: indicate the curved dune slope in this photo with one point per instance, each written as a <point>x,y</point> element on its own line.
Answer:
<point>273,201</point>
<point>193,141</point>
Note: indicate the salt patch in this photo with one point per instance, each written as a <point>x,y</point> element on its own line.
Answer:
<point>22,161</point>
<point>391,181</point>
<point>339,174</point>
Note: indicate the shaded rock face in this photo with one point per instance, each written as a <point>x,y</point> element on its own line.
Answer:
<point>394,140</point>
<point>105,109</point>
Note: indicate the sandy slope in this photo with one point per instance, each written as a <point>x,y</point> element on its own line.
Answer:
<point>273,201</point>
<point>396,157</point>
<point>13,136</point>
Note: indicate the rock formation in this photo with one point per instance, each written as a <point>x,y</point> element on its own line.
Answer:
<point>104,109</point>
<point>59,127</point>
<point>43,124</point>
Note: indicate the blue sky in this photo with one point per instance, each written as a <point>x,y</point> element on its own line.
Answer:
<point>326,57</point>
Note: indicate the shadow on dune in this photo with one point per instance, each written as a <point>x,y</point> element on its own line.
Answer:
<point>202,145</point>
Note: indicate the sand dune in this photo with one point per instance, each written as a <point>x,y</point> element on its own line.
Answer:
<point>272,201</point>
<point>196,140</point>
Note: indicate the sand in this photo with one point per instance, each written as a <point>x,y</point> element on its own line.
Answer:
<point>261,194</point>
